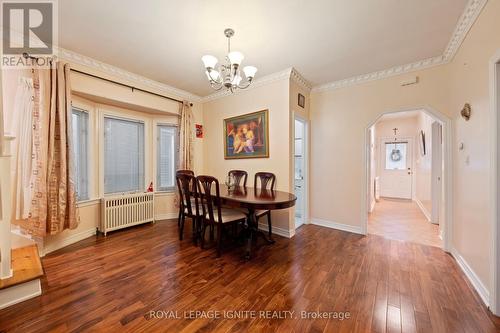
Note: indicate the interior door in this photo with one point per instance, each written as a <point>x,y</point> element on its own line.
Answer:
<point>396,169</point>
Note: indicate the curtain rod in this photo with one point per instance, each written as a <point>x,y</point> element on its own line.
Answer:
<point>26,55</point>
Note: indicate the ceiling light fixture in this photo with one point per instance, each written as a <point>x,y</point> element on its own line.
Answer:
<point>228,75</point>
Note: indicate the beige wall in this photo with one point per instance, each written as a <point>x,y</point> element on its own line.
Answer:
<point>275,98</point>
<point>339,118</point>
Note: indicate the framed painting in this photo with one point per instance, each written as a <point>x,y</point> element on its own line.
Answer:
<point>247,136</point>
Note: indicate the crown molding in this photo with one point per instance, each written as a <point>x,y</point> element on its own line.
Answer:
<point>74,57</point>
<point>383,74</point>
<point>469,16</point>
<point>262,81</point>
<point>300,80</point>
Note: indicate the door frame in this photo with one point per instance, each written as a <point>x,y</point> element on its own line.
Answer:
<point>305,190</point>
<point>381,163</point>
<point>495,177</point>
<point>447,172</point>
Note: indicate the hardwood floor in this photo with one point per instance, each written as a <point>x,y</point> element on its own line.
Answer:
<point>112,284</point>
<point>402,220</point>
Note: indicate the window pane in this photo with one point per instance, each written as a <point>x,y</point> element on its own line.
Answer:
<point>80,122</point>
<point>395,156</point>
<point>167,157</point>
<point>123,155</point>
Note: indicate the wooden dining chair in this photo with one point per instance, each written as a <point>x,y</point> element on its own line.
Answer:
<point>238,176</point>
<point>267,180</point>
<point>181,208</point>
<point>190,204</point>
<point>214,215</point>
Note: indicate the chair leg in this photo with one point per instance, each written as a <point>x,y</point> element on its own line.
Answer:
<point>180,216</point>
<point>195,226</point>
<point>181,227</point>
<point>212,232</point>
<point>269,225</point>
<point>203,229</point>
<point>219,239</point>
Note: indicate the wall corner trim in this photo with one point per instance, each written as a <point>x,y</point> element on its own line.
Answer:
<point>339,226</point>
<point>472,277</point>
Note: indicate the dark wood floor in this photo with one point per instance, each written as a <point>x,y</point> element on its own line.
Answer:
<point>112,284</point>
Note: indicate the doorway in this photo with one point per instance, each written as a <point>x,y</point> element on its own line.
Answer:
<point>405,187</point>
<point>300,173</point>
<point>396,175</point>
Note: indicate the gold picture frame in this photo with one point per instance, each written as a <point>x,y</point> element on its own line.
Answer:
<point>247,136</point>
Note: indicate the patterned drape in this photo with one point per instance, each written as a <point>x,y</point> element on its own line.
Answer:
<point>53,204</point>
<point>186,137</point>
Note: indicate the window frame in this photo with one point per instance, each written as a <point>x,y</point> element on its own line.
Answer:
<point>157,146</point>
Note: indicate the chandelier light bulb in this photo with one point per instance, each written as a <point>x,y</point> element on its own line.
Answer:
<point>235,57</point>
<point>213,75</point>
<point>209,61</point>
<point>236,80</point>
<point>250,71</point>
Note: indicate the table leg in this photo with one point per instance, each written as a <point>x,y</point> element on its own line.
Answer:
<point>252,219</point>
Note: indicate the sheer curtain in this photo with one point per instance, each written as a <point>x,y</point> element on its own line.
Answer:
<point>22,149</point>
<point>53,201</point>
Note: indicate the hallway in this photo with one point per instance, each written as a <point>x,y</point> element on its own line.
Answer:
<point>402,220</point>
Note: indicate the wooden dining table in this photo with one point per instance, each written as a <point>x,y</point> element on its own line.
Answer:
<point>253,199</point>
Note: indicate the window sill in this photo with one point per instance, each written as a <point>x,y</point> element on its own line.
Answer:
<point>165,193</point>
<point>86,203</point>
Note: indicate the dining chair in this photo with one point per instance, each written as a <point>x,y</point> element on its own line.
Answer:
<point>267,180</point>
<point>239,175</point>
<point>181,208</point>
<point>212,211</point>
<point>190,204</point>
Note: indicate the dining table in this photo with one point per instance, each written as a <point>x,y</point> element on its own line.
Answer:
<point>251,200</point>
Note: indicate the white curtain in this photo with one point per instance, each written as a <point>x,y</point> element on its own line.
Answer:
<point>22,150</point>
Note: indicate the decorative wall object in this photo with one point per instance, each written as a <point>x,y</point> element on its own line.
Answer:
<point>199,131</point>
<point>422,143</point>
<point>247,136</point>
<point>466,112</point>
<point>302,101</point>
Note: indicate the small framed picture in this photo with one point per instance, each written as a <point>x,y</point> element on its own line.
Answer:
<point>199,131</point>
<point>302,101</point>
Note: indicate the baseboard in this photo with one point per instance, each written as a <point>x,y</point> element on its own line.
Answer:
<point>422,208</point>
<point>167,216</point>
<point>68,241</point>
<point>20,293</point>
<point>473,278</point>
<point>338,226</point>
<point>278,231</point>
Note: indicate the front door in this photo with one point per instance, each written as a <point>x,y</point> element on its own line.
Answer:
<point>396,169</point>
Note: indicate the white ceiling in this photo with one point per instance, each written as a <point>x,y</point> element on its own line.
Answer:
<point>325,40</point>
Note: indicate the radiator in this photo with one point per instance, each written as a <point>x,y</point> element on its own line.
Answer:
<point>126,210</point>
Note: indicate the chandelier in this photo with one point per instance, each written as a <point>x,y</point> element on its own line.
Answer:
<point>228,75</point>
